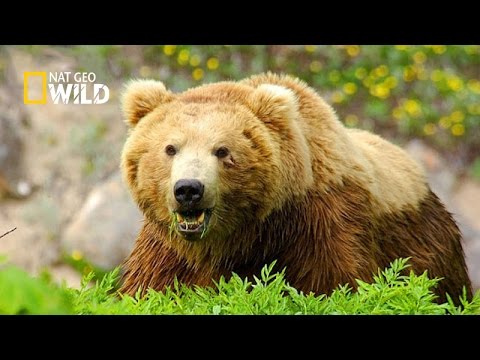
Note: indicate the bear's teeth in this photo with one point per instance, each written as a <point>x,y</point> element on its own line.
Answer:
<point>192,225</point>
<point>201,217</point>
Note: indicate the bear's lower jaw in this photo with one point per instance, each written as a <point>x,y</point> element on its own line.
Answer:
<point>192,225</point>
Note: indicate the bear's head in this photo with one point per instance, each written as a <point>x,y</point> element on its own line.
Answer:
<point>215,157</point>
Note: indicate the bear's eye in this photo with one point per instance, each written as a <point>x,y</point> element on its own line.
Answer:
<point>221,152</point>
<point>170,150</point>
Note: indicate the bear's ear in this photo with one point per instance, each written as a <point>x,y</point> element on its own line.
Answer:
<point>140,97</point>
<point>270,102</point>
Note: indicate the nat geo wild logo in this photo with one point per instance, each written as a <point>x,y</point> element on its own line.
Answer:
<point>64,88</point>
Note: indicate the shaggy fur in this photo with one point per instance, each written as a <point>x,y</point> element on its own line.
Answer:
<point>329,203</point>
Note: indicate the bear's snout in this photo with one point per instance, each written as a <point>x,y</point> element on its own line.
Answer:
<point>188,192</point>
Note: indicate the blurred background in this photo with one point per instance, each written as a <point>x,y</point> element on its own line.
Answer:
<point>59,164</point>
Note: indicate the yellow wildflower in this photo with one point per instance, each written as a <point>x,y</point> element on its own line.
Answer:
<point>353,50</point>
<point>350,88</point>
<point>408,74</point>
<point>197,74</point>
<point>77,255</point>
<point>360,73</point>
<point>445,122</point>
<point>391,82</point>
<point>195,60</point>
<point>429,129</point>
<point>380,91</point>
<point>169,50</point>
<point>455,83</point>
<point>213,63</point>
<point>419,57</point>
<point>458,129</point>
<point>381,71</point>
<point>397,113</point>
<point>412,107</point>
<point>439,49</point>
<point>474,86</point>
<point>183,57</point>
<point>315,66</point>
<point>334,76</point>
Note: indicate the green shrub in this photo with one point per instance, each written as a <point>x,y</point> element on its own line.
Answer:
<point>22,294</point>
<point>427,91</point>
<point>390,293</point>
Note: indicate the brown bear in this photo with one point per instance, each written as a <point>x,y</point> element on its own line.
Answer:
<point>233,175</point>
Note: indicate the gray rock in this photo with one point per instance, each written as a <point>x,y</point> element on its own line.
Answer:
<point>105,228</point>
<point>63,273</point>
<point>439,176</point>
<point>11,160</point>
<point>13,181</point>
<point>466,199</point>
<point>472,255</point>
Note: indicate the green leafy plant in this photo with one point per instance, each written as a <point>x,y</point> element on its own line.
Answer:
<point>22,294</point>
<point>393,291</point>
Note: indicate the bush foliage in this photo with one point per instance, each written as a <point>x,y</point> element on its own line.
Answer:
<point>428,91</point>
<point>392,292</point>
<point>401,91</point>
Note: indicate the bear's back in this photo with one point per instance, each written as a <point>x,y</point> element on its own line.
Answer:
<point>337,153</point>
<point>390,167</point>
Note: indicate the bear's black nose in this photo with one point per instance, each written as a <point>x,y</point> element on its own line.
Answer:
<point>188,191</point>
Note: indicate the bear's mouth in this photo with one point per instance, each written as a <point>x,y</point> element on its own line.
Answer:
<point>192,223</point>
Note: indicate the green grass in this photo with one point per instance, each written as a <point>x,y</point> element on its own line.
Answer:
<point>392,292</point>
<point>22,294</point>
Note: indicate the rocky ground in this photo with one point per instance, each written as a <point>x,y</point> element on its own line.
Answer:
<point>73,203</point>
<point>69,155</point>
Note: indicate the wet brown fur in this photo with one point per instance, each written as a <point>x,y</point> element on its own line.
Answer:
<point>340,225</point>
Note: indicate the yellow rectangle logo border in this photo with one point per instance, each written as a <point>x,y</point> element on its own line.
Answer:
<point>28,74</point>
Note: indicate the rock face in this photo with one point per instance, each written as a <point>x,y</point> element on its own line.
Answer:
<point>439,176</point>
<point>466,200</point>
<point>11,160</point>
<point>13,117</point>
<point>105,228</point>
